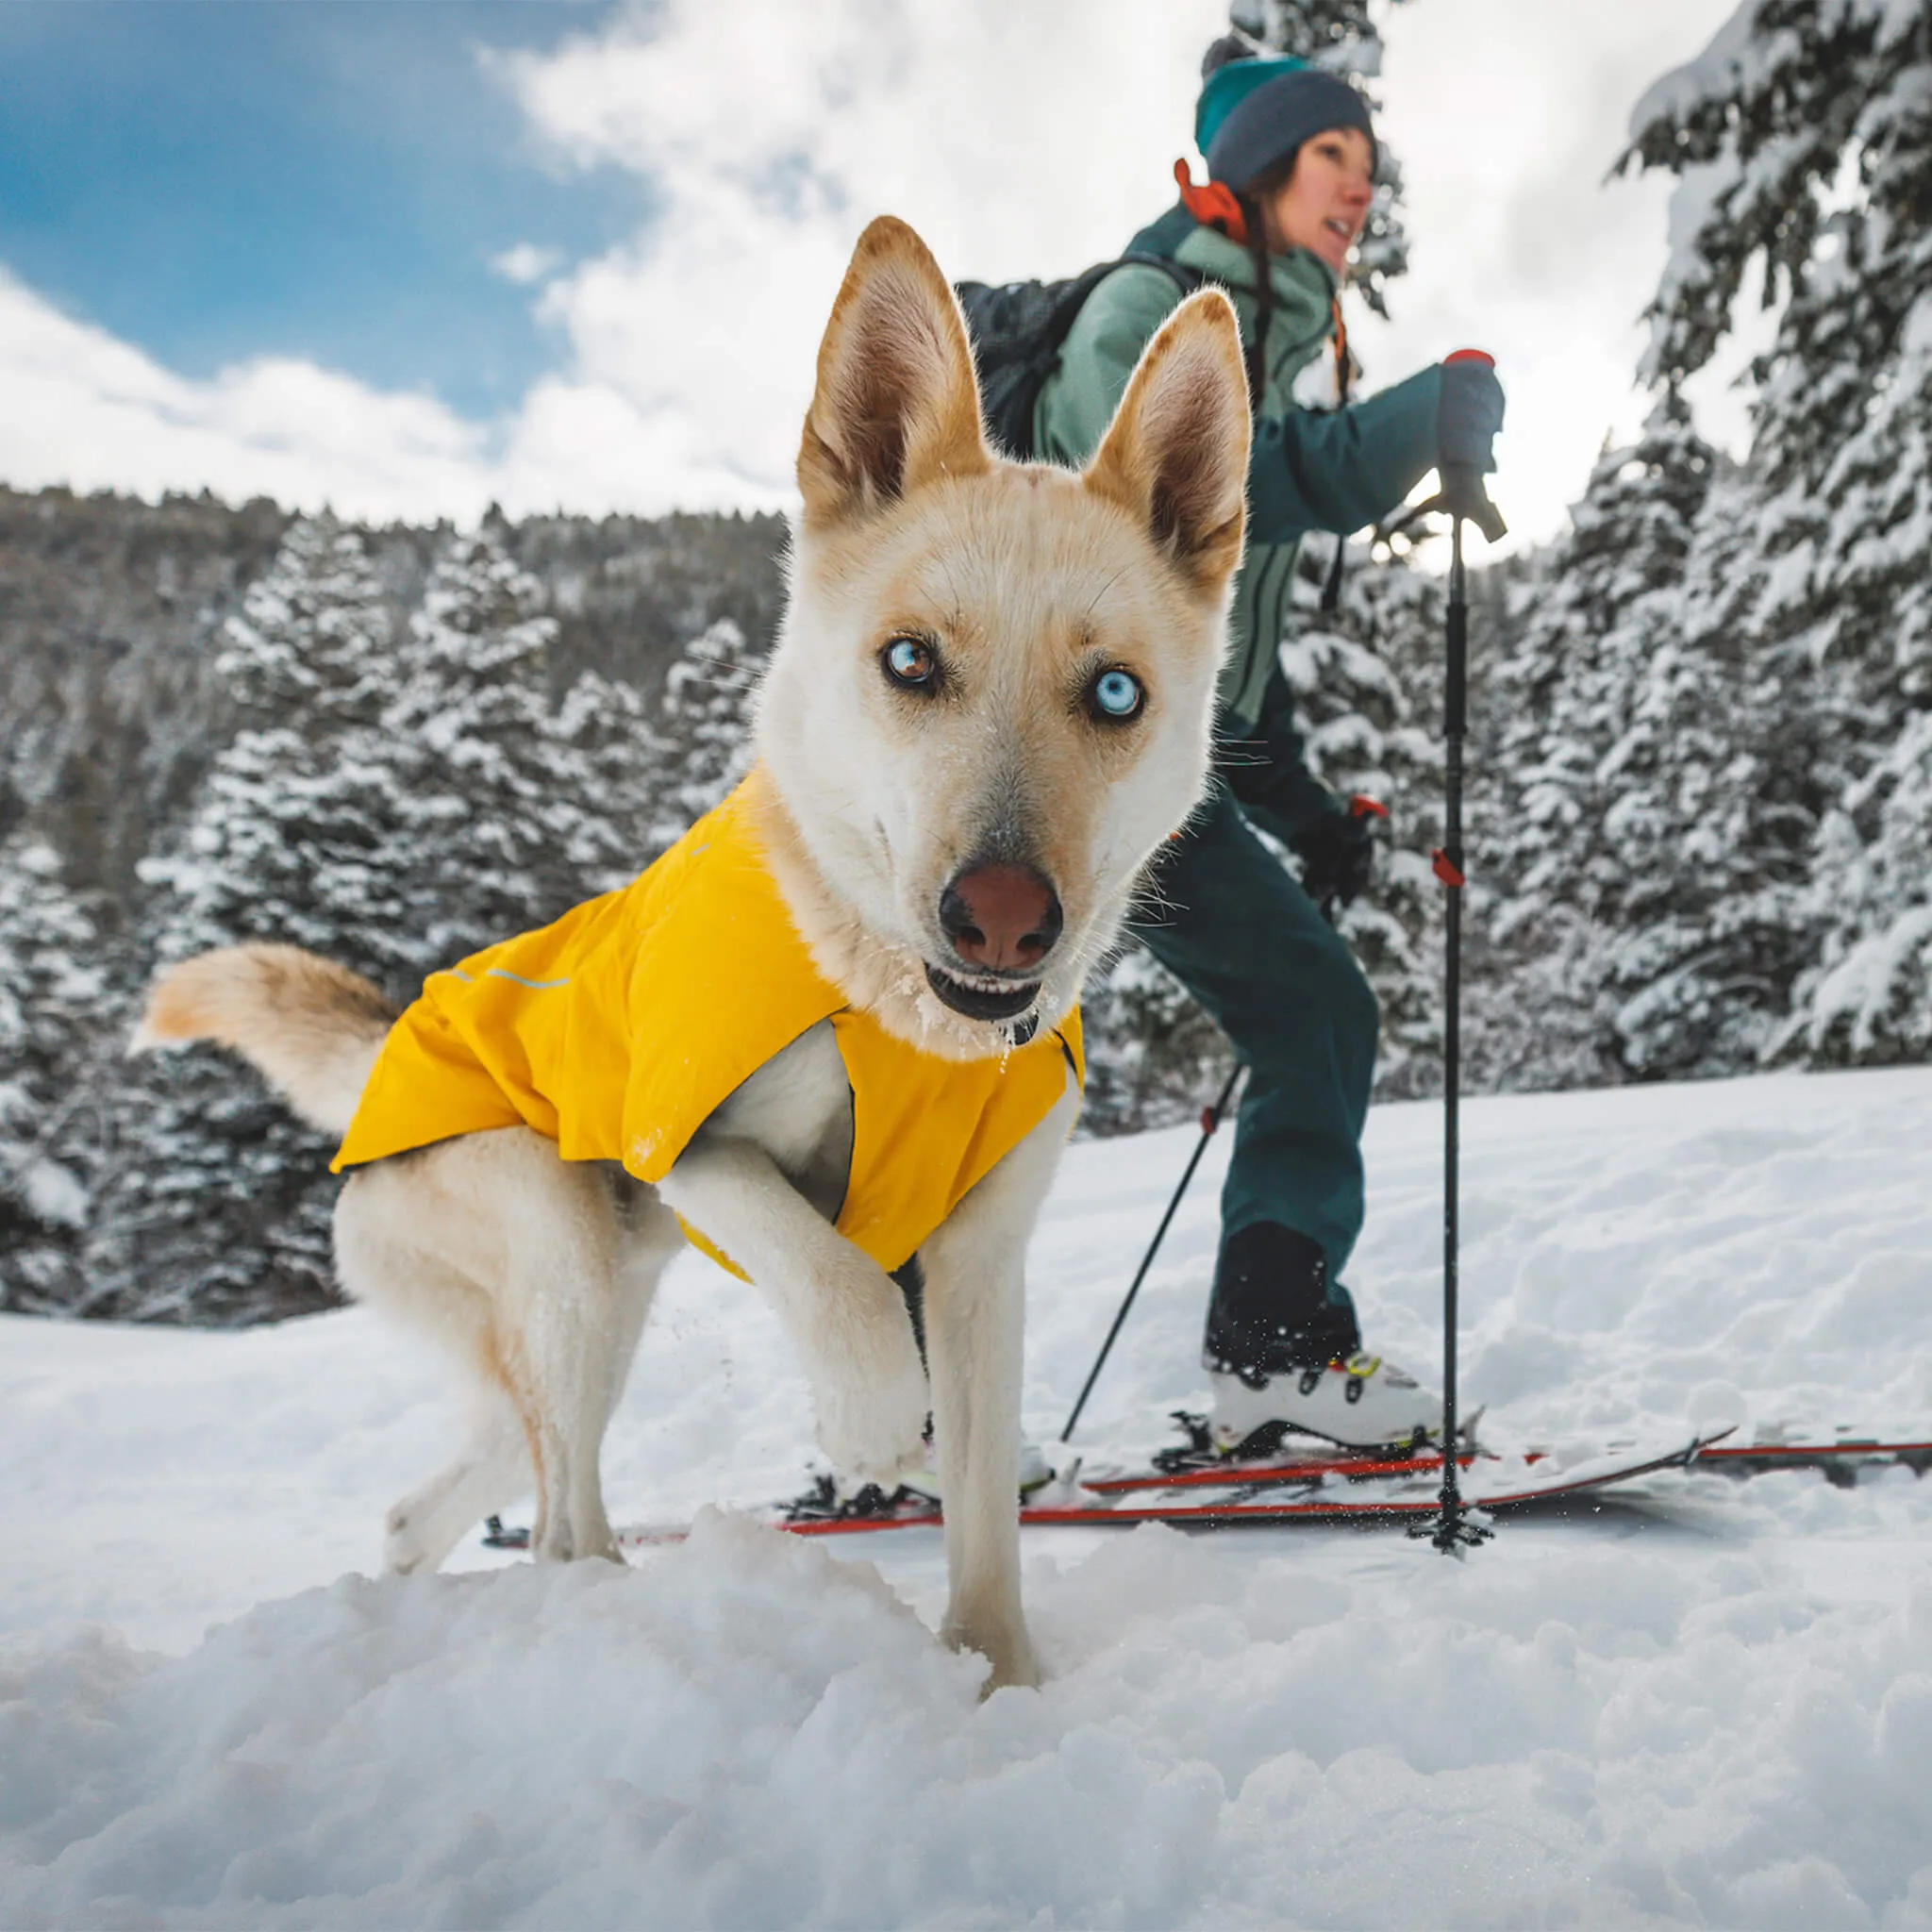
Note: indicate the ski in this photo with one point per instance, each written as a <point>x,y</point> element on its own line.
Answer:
<point>1317,1488</point>
<point>1841,1457</point>
<point>1361,1489</point>
<point>1842,1451</point>
<point>1275,1456</point>
<point>1231,1473</point>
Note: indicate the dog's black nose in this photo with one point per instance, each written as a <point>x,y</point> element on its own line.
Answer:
<point>1001,918</point>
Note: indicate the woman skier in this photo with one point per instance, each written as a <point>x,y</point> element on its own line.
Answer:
<point>1291,160</point>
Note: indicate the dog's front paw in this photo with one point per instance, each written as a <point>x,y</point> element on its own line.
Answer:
<point>1004,1644</point>
<point>405,1549</point>
<point>873,1430</point>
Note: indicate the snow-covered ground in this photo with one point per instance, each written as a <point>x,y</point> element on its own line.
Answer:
<point>1706,1704</point>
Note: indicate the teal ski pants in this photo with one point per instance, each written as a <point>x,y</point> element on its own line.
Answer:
<point>1237,931</point>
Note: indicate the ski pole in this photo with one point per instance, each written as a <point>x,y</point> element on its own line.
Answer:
<point>1452,1528</point>
<point>1210,1119</point>
<point>1463,496</point>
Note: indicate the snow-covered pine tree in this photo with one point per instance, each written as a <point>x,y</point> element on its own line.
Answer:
<point>1867,999</point>
<point>216,1209</point>
<point>1368,685</point>
<point>54,982</point>
<point>408,807</point>
<point>1619,832</point>
<point>314,637</point>
<point>610,754</point>
<point>1802,139</point>
<point>1152,1057</point>
<point>1868,995</point>
<point>704,715</point>
<point>512,811</point>
<point>1710,810</point>
<point>294,836</point>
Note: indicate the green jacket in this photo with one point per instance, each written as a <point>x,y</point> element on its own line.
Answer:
<point>1310,469</point>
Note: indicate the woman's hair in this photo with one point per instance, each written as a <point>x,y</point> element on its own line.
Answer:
<point>1269,180</point>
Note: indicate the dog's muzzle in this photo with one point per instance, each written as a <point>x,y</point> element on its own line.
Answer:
<point>1008,1005</point>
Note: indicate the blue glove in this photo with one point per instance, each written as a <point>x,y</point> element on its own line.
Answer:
<point>1469,412</point>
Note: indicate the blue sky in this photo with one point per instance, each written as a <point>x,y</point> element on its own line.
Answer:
<point>262,249</point>
<point>213,180</point>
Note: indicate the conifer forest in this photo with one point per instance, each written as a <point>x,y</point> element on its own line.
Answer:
<point>1700,770</point>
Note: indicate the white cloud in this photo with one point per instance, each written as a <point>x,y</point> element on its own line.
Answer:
<point>526,264</point>
<point>1019,138</point>
<point>88,410</point>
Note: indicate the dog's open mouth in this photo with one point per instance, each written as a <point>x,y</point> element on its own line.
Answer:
<point>980,1001</point>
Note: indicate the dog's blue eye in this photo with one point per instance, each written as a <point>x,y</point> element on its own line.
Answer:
<point>1118,694</point>
<point>909,662</point>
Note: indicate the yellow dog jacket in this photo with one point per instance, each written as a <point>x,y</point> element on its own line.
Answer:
<point>619,1029</point>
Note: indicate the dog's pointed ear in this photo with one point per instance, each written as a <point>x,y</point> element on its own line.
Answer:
<point>1175,456</point>
<point>897,404</point>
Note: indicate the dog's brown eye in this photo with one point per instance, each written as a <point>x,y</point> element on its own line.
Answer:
<point>910,663</point>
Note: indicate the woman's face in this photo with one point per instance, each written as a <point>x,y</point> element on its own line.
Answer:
<point>1322,205</point>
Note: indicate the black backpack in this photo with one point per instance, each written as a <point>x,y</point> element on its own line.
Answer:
<point>1017,331</point>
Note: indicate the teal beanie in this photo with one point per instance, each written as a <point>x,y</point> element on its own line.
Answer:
<point>1255,112</point>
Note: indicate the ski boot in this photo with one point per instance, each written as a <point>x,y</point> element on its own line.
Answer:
<point>1286,1357</point>
<point>832,1498</point>
<point>1036,1471</point>
<point>1357,1400</point>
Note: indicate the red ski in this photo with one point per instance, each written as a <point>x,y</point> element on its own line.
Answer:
<point>1843,1450</point>
<point>1288,1469</point>
<point>1321,1488</point>
<point>1358,1487</point>
<point>1840,1456</point>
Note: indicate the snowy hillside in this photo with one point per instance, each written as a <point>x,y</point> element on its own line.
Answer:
<point>1706,1704</point>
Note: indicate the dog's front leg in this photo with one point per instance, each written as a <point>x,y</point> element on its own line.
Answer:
<point>843,1312</point>
<point>976,1307</point>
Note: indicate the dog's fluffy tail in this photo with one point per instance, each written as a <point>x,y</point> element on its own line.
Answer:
<point>313,1027</point>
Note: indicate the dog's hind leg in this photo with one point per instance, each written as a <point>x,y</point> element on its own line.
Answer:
<point>648,1239</point>
<point>976,1305</point>
<point>383,1268</point>
<point>493,1471</point>
<point>572,1313</point>
<point>536,1277</point>
<point>577,1347</point>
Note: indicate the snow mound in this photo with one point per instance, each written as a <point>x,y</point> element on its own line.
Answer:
<point>747,1732</point>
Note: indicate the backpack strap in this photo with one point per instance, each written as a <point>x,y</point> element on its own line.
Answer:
<point>1077,291</point>
<point>1018,331</point>
<point>1068,308</point>
<point>1344,375</point>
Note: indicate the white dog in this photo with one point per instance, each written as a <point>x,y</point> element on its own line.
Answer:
<point>853,1032</point>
